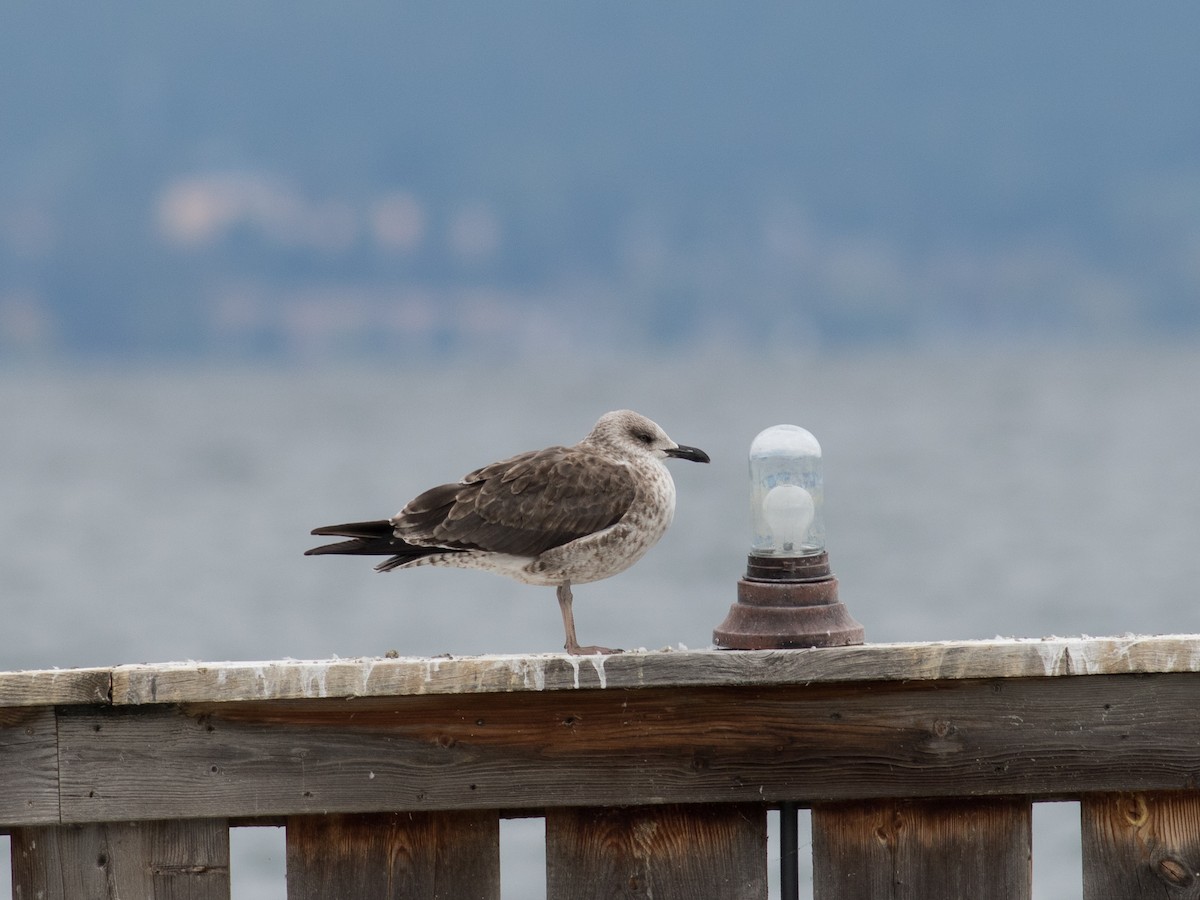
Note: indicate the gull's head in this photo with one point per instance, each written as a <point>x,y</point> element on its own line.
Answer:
<point>632,434</point>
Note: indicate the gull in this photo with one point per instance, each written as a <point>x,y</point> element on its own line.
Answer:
<point>553,517</point>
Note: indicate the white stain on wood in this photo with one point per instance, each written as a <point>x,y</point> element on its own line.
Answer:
<point>187,682</point>
<point>598,665</point>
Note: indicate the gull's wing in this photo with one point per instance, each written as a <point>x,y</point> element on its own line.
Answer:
<point>524,505</point>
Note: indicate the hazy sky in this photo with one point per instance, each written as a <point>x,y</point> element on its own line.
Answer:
<point>248,176</point>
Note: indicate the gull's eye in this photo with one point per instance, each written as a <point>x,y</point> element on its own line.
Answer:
<point>644,437</point>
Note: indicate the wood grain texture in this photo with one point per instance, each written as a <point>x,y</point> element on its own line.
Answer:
<point>1036,737</point>
<point>395,856</point>
<point>376,677</point>
<point>178,860</point>
<point>50,687</point>
<point>28,766</point>
<point>657,853</point>
<point>224,682</point>
<point>910,850</point>
<point>1141,845</point>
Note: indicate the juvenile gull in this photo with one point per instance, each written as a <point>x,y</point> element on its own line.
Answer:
<point>559,516</point>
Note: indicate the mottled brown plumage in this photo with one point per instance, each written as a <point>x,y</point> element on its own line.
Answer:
<point>557,516</point>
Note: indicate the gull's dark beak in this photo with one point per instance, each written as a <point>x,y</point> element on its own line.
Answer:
<point>695,454</point>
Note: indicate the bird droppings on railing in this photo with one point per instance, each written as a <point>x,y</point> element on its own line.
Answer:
<point>1130,653</point>
<point>597,661</point>
<point>368,666</point>
<point>219,682</point>
<point>598,664</point>
<point>313,677</point>
<point>530,671</point>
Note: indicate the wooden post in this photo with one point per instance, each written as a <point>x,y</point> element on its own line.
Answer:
<point>28,766</point>
<point>390,856</point>
<point>912,850</point>
<point>1141,845</point>
<point>186,859</point>
<point>661,852</point>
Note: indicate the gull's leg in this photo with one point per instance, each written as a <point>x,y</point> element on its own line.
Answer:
<point>564,606</point>
<point>572,645</point>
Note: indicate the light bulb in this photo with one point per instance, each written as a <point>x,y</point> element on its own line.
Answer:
<point>789,510</point>
<point>786,493</point>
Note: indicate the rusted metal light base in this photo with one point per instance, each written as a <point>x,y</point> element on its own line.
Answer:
<point>787,602</point>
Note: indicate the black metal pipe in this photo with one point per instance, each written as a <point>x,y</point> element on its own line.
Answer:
<point>789,852</point>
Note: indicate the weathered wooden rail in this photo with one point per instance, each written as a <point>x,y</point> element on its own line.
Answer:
<point>654,771</point>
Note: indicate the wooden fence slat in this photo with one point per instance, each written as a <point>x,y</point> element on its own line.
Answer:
<point>664,852</point>
<point>28,766</point>
<point>431,856</point>
<point>51,687</point>
<point>184,859</point>
<point>1047,737</point>
<point>372,676</point>
<point>1141,845</point>
<point>913,850</point>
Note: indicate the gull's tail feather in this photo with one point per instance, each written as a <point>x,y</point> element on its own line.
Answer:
<point>374,530</point>
<point>371,539</point>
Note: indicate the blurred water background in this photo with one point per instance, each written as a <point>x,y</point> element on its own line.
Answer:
<point>269,266</point>
<point>154,517</point>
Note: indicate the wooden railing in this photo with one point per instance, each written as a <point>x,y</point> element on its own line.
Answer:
<point>654,771</point>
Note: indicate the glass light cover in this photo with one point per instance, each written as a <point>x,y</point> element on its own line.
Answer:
<point>787,493</point>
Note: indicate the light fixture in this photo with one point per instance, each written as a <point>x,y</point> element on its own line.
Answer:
<point>788,597</point>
